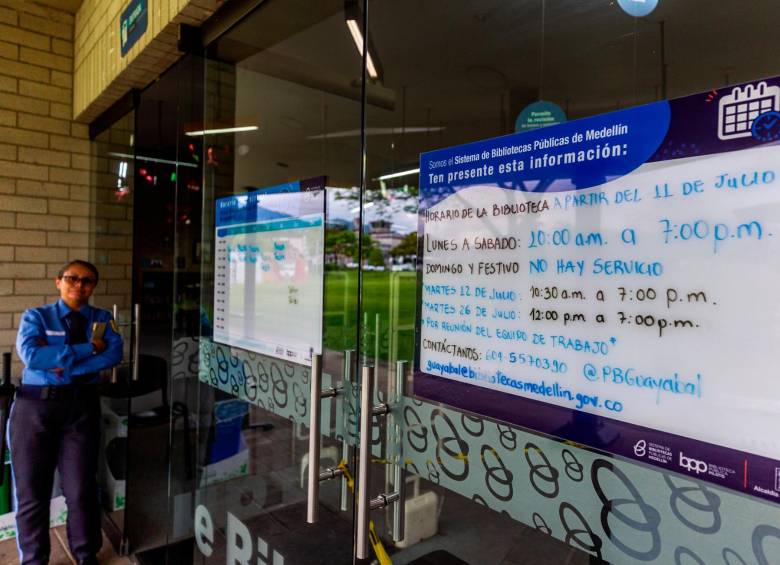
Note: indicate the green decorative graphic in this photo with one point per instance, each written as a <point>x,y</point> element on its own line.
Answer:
<point>608,507</point>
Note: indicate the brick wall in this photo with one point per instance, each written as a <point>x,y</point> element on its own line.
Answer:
<point>58,198</point>
<point>102,75</point>
<point>109,222</point>
<point>54,206</point>
<point>44,158</point>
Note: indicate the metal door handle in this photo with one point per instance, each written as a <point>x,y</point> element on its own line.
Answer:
<point>315,441</point>
<point>364,462</point>
<point>346,385</point>
<point>113,370</point>
<point>365,504</point>
<point>399,471</point>
<point>136,340</point>
<point>399,510</point>
<point>313,500</point>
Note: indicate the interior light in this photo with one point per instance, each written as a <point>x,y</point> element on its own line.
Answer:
<point>376,131</point>
<point>399,174</point>
<point>357,37</point>
<point>121,179</point>
<point>372,72</point>
<point>352,17</point>
<point>220,130</point>
<point>152,160</point>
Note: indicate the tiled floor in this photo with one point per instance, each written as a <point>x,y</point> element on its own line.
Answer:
<point>59,551</point>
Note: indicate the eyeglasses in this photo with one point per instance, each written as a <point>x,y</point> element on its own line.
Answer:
<point>73,280</point>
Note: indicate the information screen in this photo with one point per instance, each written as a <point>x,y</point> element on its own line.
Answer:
<point>268,272</point>
<point>614,281</point>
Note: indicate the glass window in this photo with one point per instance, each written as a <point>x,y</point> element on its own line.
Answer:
<point>287,99</point>
<point>460,72</point>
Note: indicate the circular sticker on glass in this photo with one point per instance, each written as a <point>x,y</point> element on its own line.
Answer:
<point>638,8</point>
<point>538,115</point>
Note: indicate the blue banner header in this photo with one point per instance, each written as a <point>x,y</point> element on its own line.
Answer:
<point>571,156</point>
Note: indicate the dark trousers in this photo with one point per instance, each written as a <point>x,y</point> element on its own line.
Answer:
<point>64,433</point>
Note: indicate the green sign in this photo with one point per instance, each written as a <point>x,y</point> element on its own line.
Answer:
<point>538,115</point>
<point>132,24</point>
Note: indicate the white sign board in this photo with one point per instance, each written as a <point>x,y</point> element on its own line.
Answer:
<point>268,273</point>
<point>614,281</point>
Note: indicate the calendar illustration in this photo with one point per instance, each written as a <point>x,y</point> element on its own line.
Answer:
<point>736,111</point>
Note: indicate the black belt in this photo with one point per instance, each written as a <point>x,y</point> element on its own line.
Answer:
<point>59,392</point>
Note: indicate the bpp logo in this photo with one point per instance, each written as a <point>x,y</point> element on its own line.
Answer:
<point>693,465</point>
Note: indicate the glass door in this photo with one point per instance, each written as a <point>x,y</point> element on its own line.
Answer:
<point>110,230</point>
<point>272,314</point>
<point>136,167</point>
<point>336,105</point>
<point>450,485</point>
<point>165,282</point>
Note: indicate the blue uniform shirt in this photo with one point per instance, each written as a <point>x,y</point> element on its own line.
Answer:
<point>42,344</point>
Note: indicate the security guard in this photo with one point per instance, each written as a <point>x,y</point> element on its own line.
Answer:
<point>55,419</point>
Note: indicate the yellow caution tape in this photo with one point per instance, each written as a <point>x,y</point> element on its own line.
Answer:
<point>373,538</point>
<point>347,475</point>
<point>376,543</point>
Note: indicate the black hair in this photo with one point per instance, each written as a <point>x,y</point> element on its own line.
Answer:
<point>80,263</point>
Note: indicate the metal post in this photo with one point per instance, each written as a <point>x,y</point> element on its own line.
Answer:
<point>399,508</point>
<point>400,380</point>
<point>315,405</point>
<point>136,340</point>
<point>116,321</point>
<point>399,470</point>
<point>364,465</point>
<point>347,387</point>
<point>377,338</point>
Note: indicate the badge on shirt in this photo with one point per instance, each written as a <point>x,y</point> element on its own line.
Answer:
<point>98,329</point>
<point>55,332</point>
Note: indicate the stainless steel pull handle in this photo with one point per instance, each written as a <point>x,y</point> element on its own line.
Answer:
<point>364,464</point>
<point>115,312</point>
<point>384,500</point>
<point>399,509</point>
<point>400,380</point>
<point>136,340</point>
<point>365,504</point>
<point>399,470</point>
<point>315,404</point>
<point>345,447</point>
<point>315,441</point>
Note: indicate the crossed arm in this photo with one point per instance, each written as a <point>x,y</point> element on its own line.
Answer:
<point>36,353</point>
